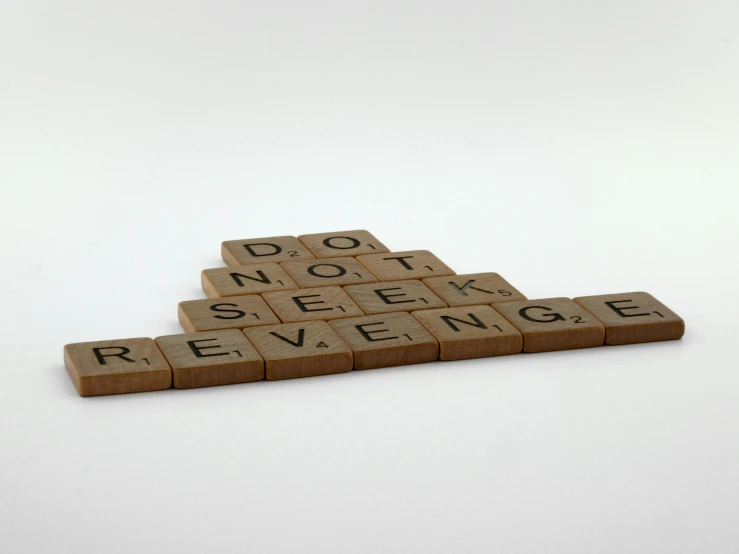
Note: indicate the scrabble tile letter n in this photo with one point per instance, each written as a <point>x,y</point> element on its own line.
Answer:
<point>552,324</point>
<point>471,332</point>
<point>633,317</point>
<point>238,281</point>
<point>117,366</point>
<point>269,249</point>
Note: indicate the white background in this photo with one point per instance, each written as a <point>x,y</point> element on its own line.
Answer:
<point>574,147</point>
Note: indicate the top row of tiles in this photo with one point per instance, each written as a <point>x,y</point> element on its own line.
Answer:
<point>304,247</point>
<point>415,264</point>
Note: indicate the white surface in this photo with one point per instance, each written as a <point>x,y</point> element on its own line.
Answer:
<point>577,148</point>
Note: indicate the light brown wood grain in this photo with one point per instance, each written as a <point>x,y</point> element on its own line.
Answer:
<point>394,296</point>
<point>211,358</point>
<point>470,332</point>
<point>633,317</point>
<point>473,289</point>
<point>305,349</point>
<point>233,312</point>
<point>412,264</point>
<point>386,340</point>
<point>342,243</point>
<point>552,324</point>
<point>117,366</point>
<point>319,303</point>
<point>328,272</point>
<point>221,282</point>
<point>263,250</point>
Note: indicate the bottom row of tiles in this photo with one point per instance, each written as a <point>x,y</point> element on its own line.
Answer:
<point>291,350</point>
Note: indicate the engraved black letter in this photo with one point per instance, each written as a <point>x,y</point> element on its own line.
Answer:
<point>264,279</point>
<point>301,334</point>
<point>468,284</point>
<point>121,354</point>
<point>312,270</point>
<point>302,305</point>
<point>277,249</point>
<point>386,297</point>
<point>197,349</point>
<point>620,312</point>
<point>354,243</point>
<point>402,260</point>
<point>476,322</point>
<point>366,334</point>
<point>523,312</point>
<point>217,308</point>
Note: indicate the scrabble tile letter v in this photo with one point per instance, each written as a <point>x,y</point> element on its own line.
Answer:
<point>300,350</point>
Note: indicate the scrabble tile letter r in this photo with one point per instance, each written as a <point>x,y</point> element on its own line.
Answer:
<point>117,366</point>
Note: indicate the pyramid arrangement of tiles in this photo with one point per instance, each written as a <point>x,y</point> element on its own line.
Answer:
<point>327,303</point>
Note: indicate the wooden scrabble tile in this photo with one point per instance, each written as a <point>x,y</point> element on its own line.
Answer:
<point>234,312</point>
<point>552,324</point>
<point>413,264</point>
<point>117,366</point>
<point>342,243</point>
<point>259,251</point>
<point>470,332</point>
<point>312,304</point>
<point>633,317</point>
<point>211,358</point>
<point>238,281</point>
<point>328,271</point>
<point>387,340</point>
<point>305,349</point>
<point>397,296</point>
<point>473,289</point>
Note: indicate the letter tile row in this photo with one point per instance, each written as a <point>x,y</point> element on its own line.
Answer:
<point>327,303</point>
<point>311,348</point>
